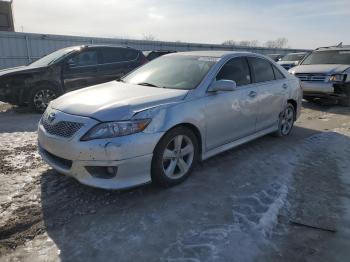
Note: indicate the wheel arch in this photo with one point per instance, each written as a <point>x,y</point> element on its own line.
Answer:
<point>295,105</point>
<point>194,129</point>
<point>43,83</point>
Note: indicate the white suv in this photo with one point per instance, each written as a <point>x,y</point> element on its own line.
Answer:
<point>325,73</point>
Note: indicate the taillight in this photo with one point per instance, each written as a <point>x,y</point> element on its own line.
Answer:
<point>143,60</point>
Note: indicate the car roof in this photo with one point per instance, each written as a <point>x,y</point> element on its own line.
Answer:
<point>337,48</point>
<point>299,53</point>
<point>332,49</point>
<point>100,46</point>
<point>217,54</point>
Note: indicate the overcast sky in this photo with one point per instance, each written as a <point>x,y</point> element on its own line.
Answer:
<point>305,23</point>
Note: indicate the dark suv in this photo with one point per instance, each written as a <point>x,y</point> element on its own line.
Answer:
<point>65,70</point>
<point>150,55</point>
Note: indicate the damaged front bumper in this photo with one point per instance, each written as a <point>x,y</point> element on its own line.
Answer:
<point>113,163</point>
<point>323,89</point>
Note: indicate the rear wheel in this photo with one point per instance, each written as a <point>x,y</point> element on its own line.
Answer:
<point>174,157</point>
<point>286,121</point>
<point>41,96</point>
<point>346,100</point>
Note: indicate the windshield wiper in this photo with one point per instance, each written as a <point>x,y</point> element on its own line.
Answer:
<point>147,84</point>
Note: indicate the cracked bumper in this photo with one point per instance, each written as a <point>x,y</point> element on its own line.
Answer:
<point>130,155</point>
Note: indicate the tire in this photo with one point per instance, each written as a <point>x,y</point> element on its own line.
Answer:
<point>346,100</point>
<point>286,121</point>
<point>170,165</point>
<point>41,95</point>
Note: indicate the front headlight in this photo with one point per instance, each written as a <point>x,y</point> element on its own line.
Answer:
<point>115,129</point>
<point>337,78</point>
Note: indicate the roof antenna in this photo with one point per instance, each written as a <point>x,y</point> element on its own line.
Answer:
<point>340,44</point>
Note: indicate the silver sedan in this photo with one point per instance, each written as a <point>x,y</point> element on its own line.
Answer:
<point>157,122</point>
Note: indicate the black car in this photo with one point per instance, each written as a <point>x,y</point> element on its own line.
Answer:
<point>150,55</point>
<point>65,70</point>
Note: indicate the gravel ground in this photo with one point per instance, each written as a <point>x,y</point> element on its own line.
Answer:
<point>273,199</point>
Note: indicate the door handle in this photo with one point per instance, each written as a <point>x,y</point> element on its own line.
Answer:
<point>284,86</point>
<point>252,94</point>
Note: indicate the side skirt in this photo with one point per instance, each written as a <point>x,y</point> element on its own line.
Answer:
<point>238,142</point>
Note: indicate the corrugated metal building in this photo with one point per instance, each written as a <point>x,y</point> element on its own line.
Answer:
<point>22,48</point>
<point>6,17</point>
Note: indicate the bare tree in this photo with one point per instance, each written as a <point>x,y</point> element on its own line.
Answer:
<point>149,37</point>
<point>229,42</point>
<point>281,42</point>
<point>248,43</point>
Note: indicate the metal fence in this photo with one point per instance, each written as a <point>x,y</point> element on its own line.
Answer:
<point>22,48</point>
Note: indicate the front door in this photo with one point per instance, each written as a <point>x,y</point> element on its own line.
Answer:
<point>80,70</point>
<point>231,115</point>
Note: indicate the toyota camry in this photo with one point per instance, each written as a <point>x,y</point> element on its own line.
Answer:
<point>158,121</point>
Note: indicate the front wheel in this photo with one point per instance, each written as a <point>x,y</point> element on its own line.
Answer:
<point>174,157</point>
<point>286,121</point>
<point>41,96</point>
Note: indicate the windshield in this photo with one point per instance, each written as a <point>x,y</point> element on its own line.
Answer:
<point>51,58</point>
<point>293,57</point>
<point>328,57</point>
<point>174,71</point>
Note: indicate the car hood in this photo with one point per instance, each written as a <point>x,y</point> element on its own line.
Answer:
<point>19,69</point>
<point>323,69</point>
<point>115,100</point>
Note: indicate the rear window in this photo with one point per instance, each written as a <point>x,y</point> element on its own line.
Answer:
<point>261,69</point>
<point>115,55</point>
<point>130,55</point>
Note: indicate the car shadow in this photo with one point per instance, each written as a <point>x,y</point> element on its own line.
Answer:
<point>141,224</point>
<point>327,106</point>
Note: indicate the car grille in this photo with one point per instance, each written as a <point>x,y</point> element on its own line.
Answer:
<point>311,77</point>
<point>62,128</point>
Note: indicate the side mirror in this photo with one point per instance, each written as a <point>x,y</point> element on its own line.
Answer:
<point>222,85</point>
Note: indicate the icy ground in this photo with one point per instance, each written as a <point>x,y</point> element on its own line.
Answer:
<point>238,206</point>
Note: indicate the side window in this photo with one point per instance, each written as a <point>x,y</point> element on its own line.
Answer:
<point>85,58</point>
<point>112,55</point>
<point>261,69</point>
<point>277,72</point>
<point>237,70</point>
<point>130,55</point>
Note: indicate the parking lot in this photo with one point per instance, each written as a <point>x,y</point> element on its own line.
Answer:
<point>272,199</point>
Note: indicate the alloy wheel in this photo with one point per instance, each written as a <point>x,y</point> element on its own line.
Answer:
<point>42,98</point>
<point>178,157</point>
<point>287,120</point>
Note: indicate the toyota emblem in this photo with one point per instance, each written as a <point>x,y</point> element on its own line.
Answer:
<point>51,117</point>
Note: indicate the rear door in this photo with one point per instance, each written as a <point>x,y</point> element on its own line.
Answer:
<point>80,70</point>
<point>116,62</point>
<point>272,86</point>
<point>231,115</point>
